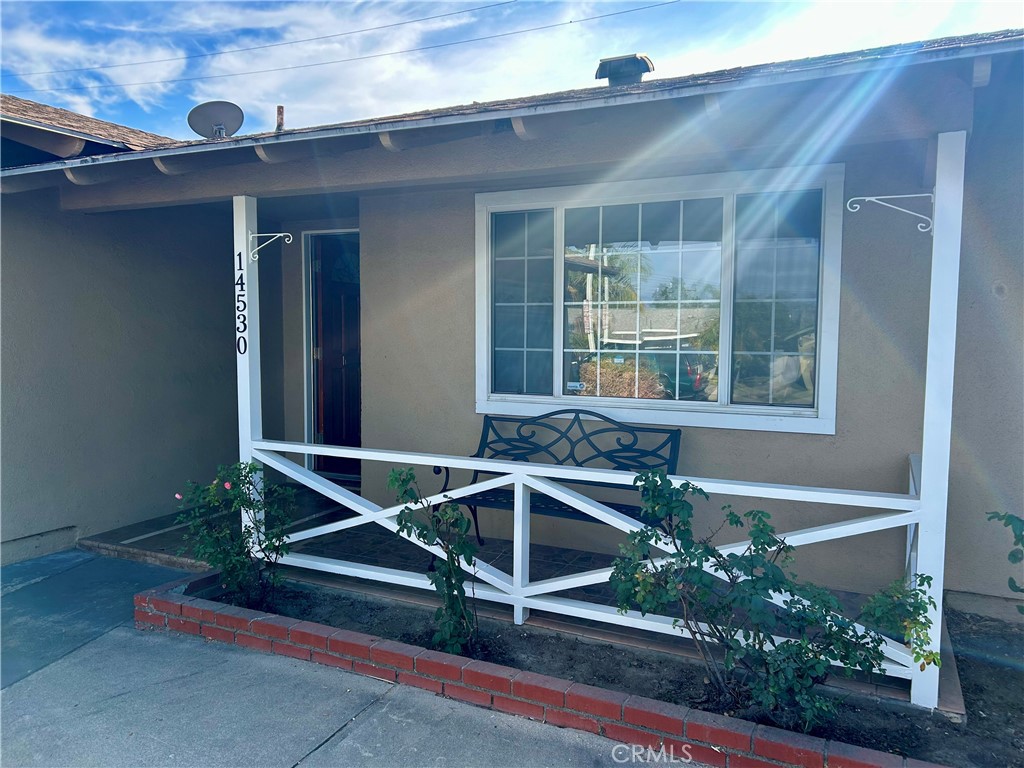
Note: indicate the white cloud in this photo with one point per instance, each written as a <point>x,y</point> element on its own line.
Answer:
<point>30,48</point>
<point>537,62</point>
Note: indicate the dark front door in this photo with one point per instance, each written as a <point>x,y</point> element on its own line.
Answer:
<point>336,364</point>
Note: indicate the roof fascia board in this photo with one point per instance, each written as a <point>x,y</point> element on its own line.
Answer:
<point>600,100</point>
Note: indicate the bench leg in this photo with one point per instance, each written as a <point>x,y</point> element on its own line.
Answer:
<point>476,525</point>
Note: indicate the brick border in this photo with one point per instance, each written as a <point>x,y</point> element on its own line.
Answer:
<point>679,731</point>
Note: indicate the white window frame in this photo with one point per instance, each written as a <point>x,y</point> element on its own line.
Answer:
<point>820,420</point>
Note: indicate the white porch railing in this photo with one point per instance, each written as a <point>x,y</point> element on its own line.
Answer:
<point>516,589</point>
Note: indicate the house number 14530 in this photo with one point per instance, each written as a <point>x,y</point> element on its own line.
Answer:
<point>241,318</point>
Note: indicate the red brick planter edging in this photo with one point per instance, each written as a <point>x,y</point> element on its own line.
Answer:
<point>678,730</point>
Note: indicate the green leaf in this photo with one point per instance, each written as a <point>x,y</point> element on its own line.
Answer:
<point>1016,555</point>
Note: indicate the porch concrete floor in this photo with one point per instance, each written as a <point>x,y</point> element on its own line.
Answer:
<point>160,541</point>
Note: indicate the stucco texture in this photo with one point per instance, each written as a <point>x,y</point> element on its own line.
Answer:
<point>418,393</point>
<point>987,459</point>
<point>418,331</point>
<point>117,372</point>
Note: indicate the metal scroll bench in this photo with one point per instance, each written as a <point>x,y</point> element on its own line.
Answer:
<point>570,437</point>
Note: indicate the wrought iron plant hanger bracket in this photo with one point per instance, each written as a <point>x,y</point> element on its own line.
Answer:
<point>253,239</point>
<point>854,203</point>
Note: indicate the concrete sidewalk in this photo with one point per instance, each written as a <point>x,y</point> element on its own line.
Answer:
<point>82,687</point>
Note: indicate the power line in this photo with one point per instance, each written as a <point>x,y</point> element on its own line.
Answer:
<point>260,47</point>
<point>344,61</point>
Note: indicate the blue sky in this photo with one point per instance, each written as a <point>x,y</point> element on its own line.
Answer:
<point>126,55</point>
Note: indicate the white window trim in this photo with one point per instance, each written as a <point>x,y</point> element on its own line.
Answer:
<point>819,421</point>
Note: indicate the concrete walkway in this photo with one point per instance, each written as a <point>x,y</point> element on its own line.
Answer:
<point>82,687</point>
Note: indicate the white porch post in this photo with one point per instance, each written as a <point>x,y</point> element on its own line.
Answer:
<point>246,303</point>
<point>521,549</point>
<point>938,387</point>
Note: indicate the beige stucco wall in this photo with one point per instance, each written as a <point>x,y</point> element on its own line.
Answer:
<point>987,471</point>
<point>419,370</point>
<point>418,330</point>
<point>416,219</point>
<point>117,372</point>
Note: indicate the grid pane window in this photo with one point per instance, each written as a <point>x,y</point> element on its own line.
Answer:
<point>640,311</point>
<point>522,302</point>
<point>642,300</point>
<point>775,314</point>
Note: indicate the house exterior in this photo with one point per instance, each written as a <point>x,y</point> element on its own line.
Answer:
<point>812,268</point>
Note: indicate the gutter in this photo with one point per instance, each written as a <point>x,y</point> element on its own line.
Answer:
<point>602,98</point>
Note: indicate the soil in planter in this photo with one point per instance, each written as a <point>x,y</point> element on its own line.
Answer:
<point>990,659</point>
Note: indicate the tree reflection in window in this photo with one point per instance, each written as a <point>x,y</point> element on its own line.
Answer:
<point>642,299</point>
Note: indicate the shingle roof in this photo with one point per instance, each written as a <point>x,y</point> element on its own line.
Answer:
<point>737,77</point>
<point>46,116</point>
<point>725,77</point>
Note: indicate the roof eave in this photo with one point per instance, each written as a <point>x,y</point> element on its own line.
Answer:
<point>63,131</point>
<point>603,97</point>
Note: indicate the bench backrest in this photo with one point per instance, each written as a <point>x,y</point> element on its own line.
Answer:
<point>579,438</point>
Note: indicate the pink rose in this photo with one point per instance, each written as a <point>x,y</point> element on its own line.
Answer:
<point>177,496</point>
<point>227,486</point>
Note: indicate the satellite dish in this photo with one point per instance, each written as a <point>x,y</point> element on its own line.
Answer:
<point>216,119</point>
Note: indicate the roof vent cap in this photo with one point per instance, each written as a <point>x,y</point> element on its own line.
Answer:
<point>624,70</point>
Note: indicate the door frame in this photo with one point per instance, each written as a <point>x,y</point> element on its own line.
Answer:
<point>308,303</point>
